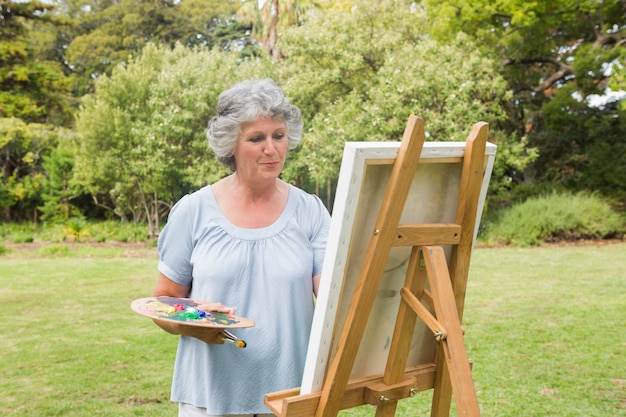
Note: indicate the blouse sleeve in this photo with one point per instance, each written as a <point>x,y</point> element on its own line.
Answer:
<point>175,244</point>
<point>319,232</point>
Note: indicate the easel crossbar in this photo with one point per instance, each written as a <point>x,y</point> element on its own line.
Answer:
<point>427,234</point>
<point>423,313</point>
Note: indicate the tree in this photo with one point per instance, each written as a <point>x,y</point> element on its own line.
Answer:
<point>61,200</point>
<point>109,33</point>
<point>32,87</point>
<point>268,18</point>
<point>34,102</point>
<point>582,148</point>
<point>552,53</point>
<point>359,81</point>
<point>543,45</point>
<point>22,149</point>
<point>142,133</point>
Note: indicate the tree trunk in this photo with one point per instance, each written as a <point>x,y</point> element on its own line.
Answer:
<point>272,39</point>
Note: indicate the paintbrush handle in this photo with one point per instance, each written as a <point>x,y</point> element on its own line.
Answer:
<point>228,337</point>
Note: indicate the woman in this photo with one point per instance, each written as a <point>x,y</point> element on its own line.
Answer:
<point>249,242</point>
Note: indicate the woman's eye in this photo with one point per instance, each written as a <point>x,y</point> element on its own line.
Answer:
<point>261,138</point>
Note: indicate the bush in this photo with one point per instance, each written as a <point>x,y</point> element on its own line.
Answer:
<point>555,217</point>
<point>74,230</point>
<point>116,231</point>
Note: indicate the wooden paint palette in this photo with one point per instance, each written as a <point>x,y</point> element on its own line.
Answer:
<point>186,311</point>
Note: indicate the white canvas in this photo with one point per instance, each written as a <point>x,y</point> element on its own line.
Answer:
<point>364,174</point>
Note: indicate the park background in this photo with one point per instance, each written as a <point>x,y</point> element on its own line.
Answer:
<point>104,104</point>
<point>103,110</point>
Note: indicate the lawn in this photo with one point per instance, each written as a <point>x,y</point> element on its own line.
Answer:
<point>545,327</point>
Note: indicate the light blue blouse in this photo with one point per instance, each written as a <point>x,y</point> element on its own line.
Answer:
<point>266,273</point>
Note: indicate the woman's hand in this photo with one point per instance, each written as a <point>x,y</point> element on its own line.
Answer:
<point>167,287</point>
<point>208,335</point>
<point>219,307</point>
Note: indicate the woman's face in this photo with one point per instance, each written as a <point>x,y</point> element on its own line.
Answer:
<point>261,150</point>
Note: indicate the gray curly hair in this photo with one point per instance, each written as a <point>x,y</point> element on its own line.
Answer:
<point>243,103</point>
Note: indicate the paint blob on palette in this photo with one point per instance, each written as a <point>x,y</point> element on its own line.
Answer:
<point>186,311</point>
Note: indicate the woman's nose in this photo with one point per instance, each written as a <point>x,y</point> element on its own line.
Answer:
<point>269,146</point>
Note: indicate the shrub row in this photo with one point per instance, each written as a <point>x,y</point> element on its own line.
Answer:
<point>554,217</point>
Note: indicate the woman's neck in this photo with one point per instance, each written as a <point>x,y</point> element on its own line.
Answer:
<point>251,205</point>
<point>255,190</point>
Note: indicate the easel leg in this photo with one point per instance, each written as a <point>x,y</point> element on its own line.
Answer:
<point>442,393</point>
<point>452,348</point>
<point>387,409</point>
<point>403,333</point>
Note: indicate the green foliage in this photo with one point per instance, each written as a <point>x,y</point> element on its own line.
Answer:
<point>22,149</point>
<point>555,217</point>
<point>556,55</point>
<point>27,238</point>
<point>540,41</point>
<point>358,81</point>
<point>32,86</point>
<point>617,82</point>
<point>581,147</point>
<point>74,230</point>
<point>513,157</point>
<point>58,194</point>
<point>142,134</point>
<point>333,55</point>
<point>273,17</point>
<point>114,32</point>
<point>33,105</point>
<point>523,192</point>
<point>114,231</point>
<point>356,68</point>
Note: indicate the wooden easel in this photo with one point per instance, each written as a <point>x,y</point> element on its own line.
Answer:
<point>451,372</point>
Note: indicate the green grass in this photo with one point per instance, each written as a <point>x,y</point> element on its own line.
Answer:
<point>70,344</point>
<point>545,328</point>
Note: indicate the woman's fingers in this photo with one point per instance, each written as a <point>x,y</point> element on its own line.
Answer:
<point>219,307</point>
<point>206,334</point>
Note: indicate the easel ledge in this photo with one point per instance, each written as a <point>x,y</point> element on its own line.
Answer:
<point>371,390</point>
<point>289,404</point>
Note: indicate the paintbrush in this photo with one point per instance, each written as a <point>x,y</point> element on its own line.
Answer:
<point>228,337</point>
